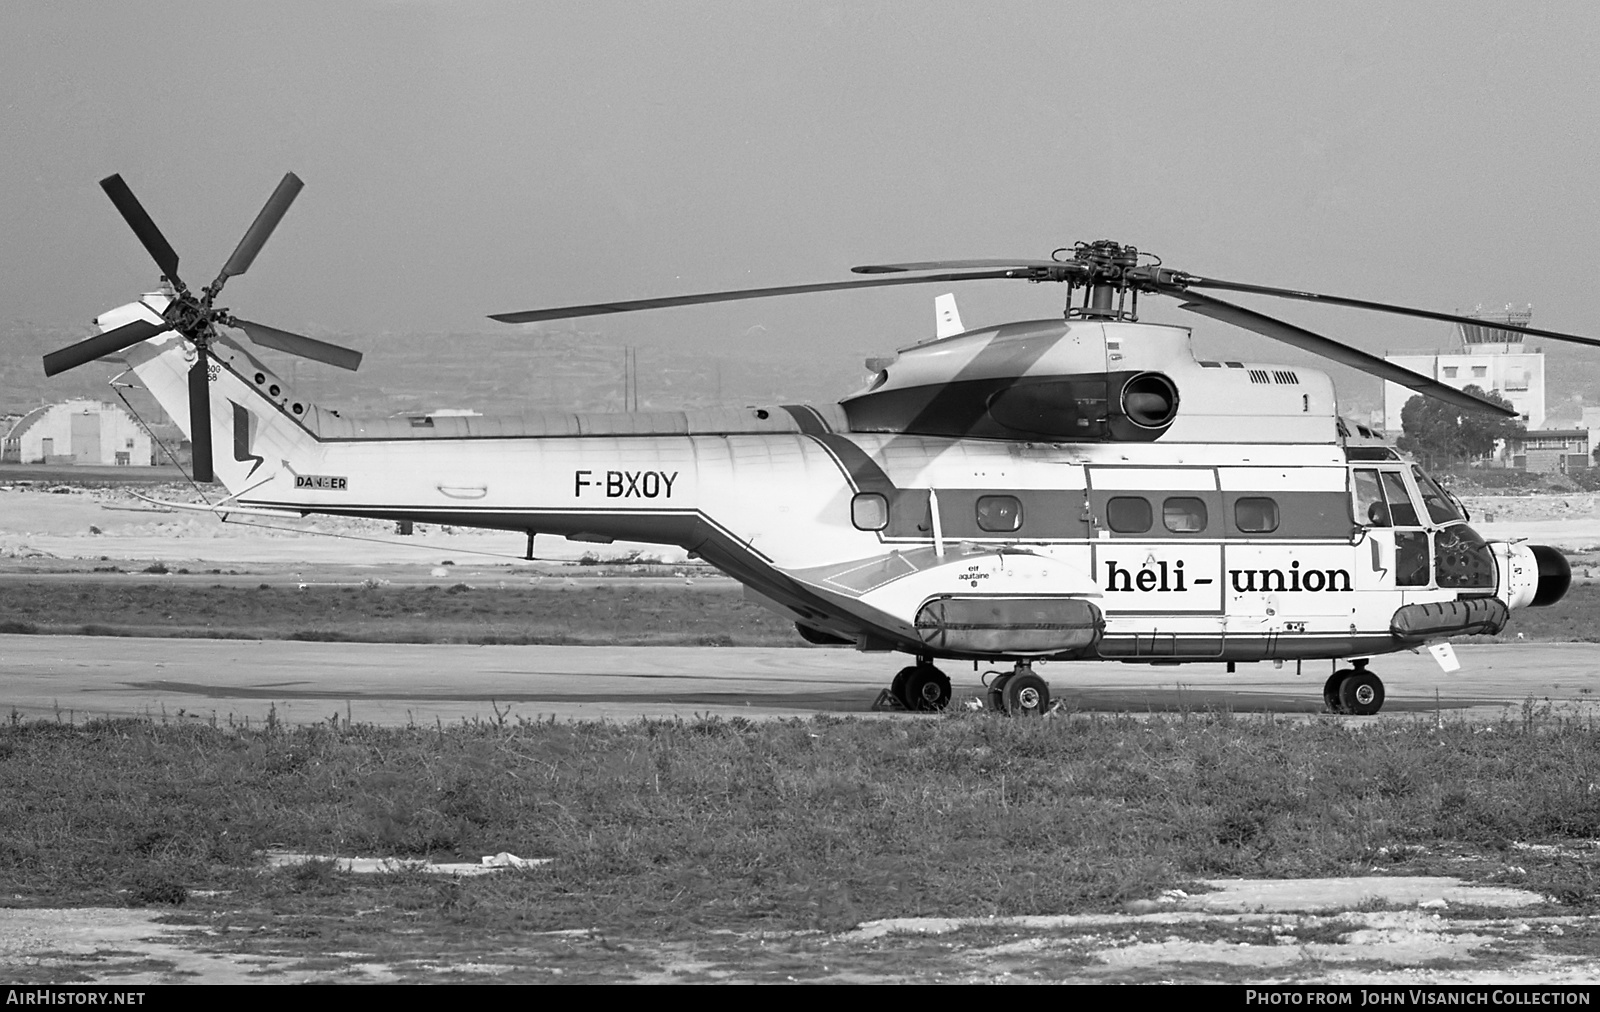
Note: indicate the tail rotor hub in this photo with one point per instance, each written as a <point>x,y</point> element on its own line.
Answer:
<point>195,317</point>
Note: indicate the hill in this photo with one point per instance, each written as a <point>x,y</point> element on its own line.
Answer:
<point>489,373</point>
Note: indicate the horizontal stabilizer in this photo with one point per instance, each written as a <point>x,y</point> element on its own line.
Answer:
<point>220,509</point>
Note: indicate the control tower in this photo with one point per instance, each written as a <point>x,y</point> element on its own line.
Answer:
<point>1486,356</point>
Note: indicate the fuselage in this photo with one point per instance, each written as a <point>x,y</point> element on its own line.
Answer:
<point>1287,540</point>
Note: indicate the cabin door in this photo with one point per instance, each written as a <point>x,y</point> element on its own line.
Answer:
<point>1157,538</point>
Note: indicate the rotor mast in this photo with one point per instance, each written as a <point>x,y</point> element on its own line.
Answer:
<point>1104,279</point>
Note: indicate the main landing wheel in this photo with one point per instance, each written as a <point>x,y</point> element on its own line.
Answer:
<point>897,688</point>
<point>995,697</point>
<point>1354,691</point>
<point>1025,694</point>
<point>925,688</point>
<point>1361,693</point>
<point>1330,689</point>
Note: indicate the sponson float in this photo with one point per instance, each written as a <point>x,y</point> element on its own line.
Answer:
<point>1078,488</point>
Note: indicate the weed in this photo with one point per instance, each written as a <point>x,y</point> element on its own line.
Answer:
<point>316,875</point>
<point>155,886</point>
<point>1567,881</point>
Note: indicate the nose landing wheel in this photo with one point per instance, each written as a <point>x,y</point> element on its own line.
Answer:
<point>1354,691</point>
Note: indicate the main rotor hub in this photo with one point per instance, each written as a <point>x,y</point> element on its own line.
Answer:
<point>1106,275</point>
<point>1106,255</point>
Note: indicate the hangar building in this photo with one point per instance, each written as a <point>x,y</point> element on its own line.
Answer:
<point>77,432</point>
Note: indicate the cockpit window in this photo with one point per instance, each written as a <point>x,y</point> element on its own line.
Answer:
<point>1402,512</point>
<point>1441,507</point>
<point>1370,506</point>
<point>1462,559</point>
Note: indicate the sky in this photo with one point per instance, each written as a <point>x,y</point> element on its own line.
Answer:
<point>467,158</point>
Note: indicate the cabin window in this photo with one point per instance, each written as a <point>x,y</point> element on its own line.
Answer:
<point>869,511</point>
<point>1128,514</point>
<point>1256,514</point>
<point>1450,372</point>
<point>1000,514</point>
<point>1184,514</point>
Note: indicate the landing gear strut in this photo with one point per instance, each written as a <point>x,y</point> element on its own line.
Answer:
<point>1354,691</point>
<point>921,687</point>
<point>1020,692</point>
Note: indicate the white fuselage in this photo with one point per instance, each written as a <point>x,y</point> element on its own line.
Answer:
<point>1186,550</point>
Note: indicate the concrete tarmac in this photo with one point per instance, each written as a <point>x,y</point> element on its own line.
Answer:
<point>80,677</point>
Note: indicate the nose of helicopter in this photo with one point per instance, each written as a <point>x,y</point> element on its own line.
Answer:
<point>1531,575</point>
<point>1555,574</point>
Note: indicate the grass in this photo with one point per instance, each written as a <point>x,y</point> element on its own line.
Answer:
<point>665,827</point>
<point>623,615</point>
<point>1573,619</point>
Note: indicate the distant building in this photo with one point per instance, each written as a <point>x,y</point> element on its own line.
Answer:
<point>1591,424</point>
<point>1551,451</point>
<point>77,432</point>
<point>1489,358</point>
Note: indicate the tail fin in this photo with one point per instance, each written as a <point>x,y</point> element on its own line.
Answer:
<point>946,318</point>
<point>260,427</point>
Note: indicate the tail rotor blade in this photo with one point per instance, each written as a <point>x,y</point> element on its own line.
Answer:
<point>297,344</point>
<point>125,336</point>
<point>262,227</point>
<point>134,214</point>
<point>200,414</point>
<point>1327,347</point>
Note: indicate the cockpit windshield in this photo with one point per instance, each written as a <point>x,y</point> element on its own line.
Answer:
<point>1440,505</point>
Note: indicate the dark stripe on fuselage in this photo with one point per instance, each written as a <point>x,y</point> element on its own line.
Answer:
<point>859,468</point>
<point>949,408</point>
<point>808,418</point>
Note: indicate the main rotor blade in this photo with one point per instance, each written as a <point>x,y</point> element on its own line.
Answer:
<point>134,214</point>
<point>601,308</point>
<point>297,344</point>
<point>1305,340</point>
<point>125,336</point>
<point>1192,281</point>
<point>951,265</point>
<point>200,414</point>
<point>272,213</point>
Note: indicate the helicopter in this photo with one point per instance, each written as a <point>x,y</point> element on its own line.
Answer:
<point>1075,488</point>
